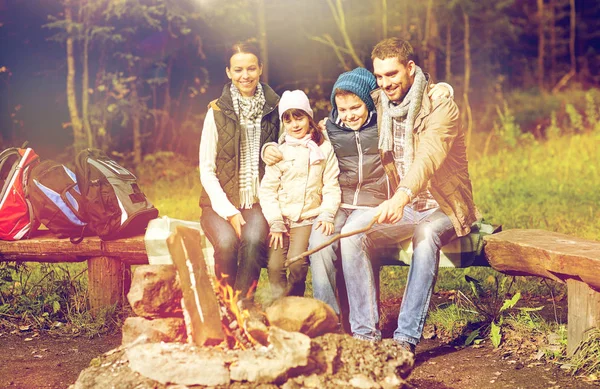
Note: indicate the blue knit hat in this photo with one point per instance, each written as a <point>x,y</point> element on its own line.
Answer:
<point>359,81</point>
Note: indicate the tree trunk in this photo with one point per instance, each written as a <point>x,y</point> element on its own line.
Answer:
<point>85,93</point>
<point>572,39</point>
<point>262,39</point>
<point>135,121</point>
<point>384,19</point>
<point>552,23</point>
<point>541,45</point>
<point>165,117</point>
<point>432,44</point>
<point>448,51</point>
<point>467,45</point>
<point>78,138</point>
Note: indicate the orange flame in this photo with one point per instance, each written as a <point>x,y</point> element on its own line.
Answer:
<point>230,298</point>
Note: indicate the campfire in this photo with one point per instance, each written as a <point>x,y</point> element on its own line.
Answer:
<point>190,330</point>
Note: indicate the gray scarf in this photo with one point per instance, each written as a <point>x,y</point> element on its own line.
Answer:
<point>409,108</point>
<point>249,112</point>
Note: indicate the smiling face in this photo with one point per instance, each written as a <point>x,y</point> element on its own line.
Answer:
<point>352,111</point>
<point>244,72</point>
<point>394,78</point>
<point>296,123</point>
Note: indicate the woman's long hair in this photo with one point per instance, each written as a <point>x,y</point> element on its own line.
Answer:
<point>313,127</point>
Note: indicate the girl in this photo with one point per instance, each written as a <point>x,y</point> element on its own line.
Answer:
<point>236,126</point>
<point>298,191</point>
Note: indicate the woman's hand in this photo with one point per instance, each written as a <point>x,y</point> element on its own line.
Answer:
<point>275,239</point>
<point>237,221</point>
<point>325,227</point>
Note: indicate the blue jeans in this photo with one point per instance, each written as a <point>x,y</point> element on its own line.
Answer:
<point>240,260</point>
<point>430,230</point>
<point>322,266</point>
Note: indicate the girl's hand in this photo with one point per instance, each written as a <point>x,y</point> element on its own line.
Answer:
<point>237,221</point>
<point>276,238</point>
<point>325,227</point>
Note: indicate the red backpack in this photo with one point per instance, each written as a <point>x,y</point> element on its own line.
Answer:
<point>17,220</point>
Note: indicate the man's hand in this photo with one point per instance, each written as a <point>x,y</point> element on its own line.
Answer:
<point>392,210</point>
<point>325,227</point>
<point>276,239</point>
<point>272,155</point>
<point>439,91</point>
<point>237,221</point>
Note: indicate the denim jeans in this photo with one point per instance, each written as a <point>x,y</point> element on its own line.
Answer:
<point>322,266</point>
<point>294,244</point>
<point>430,230</point>
<point>239,259</point>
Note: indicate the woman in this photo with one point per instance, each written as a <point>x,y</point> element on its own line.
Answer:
<point>236,126</point>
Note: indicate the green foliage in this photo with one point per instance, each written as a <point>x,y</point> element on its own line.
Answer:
<point>452,319</point>
<point>586,359</point>
<point>507,128</point>
<point>575,118</point>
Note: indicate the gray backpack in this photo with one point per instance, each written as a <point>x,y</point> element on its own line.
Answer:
<point>114,204</point>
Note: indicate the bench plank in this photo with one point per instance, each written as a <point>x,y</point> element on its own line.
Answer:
<point>45,247</point>
<point>545,254</point>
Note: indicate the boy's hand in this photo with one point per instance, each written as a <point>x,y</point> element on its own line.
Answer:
<point>272,155</point>
<point>325,227</point>
<point>276,239</point>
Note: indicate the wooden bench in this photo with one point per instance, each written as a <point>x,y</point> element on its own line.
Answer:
<point>109,263</point>
<point>559,257</point>
<point>563,258</point>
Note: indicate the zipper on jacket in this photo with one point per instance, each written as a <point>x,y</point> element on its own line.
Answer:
<point>360,167</point>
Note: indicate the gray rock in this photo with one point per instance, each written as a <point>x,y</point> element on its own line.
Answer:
<point>179,364</point>
<point>155,291</point>
<point>287,351</point>
<point>171,329</point>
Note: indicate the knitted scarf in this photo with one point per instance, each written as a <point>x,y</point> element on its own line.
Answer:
<point>249,112</point>
<point>315,154</point>
<point>409,108</point>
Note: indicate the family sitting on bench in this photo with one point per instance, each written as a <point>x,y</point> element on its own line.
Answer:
<point>393,153</point>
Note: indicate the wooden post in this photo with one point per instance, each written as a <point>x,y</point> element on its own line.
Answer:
<point>105,282</point>
<point>584,312</point>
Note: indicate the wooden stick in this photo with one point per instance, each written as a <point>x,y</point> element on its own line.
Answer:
<point>288,262</point>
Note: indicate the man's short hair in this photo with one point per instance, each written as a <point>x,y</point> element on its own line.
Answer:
<point>394,48</point>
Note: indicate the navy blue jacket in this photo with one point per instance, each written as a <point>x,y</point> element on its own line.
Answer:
<point>362,178</point>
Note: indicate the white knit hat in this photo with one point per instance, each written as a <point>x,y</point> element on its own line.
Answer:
<point>294,99</point>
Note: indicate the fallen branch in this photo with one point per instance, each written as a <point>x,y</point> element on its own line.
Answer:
<point>288,262</point>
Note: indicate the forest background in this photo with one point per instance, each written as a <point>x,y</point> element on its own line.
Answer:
<point>134,77</point>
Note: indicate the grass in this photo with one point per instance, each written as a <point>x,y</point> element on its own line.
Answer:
<point>521,183</point>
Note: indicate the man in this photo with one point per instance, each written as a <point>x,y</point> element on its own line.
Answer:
<point>422,148</point>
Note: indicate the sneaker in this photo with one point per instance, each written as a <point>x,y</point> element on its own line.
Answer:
<point>407,346</point>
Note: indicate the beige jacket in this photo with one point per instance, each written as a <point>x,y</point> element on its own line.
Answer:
<point>440,163</point>
<point>293,191</point>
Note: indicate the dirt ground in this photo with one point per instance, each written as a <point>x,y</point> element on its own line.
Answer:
<point>31,360</point>
<point>43,361</point>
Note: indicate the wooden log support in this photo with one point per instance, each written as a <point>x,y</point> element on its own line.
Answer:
<point>105,282</point>
<point>584,313</point>
<point>560,257</point>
